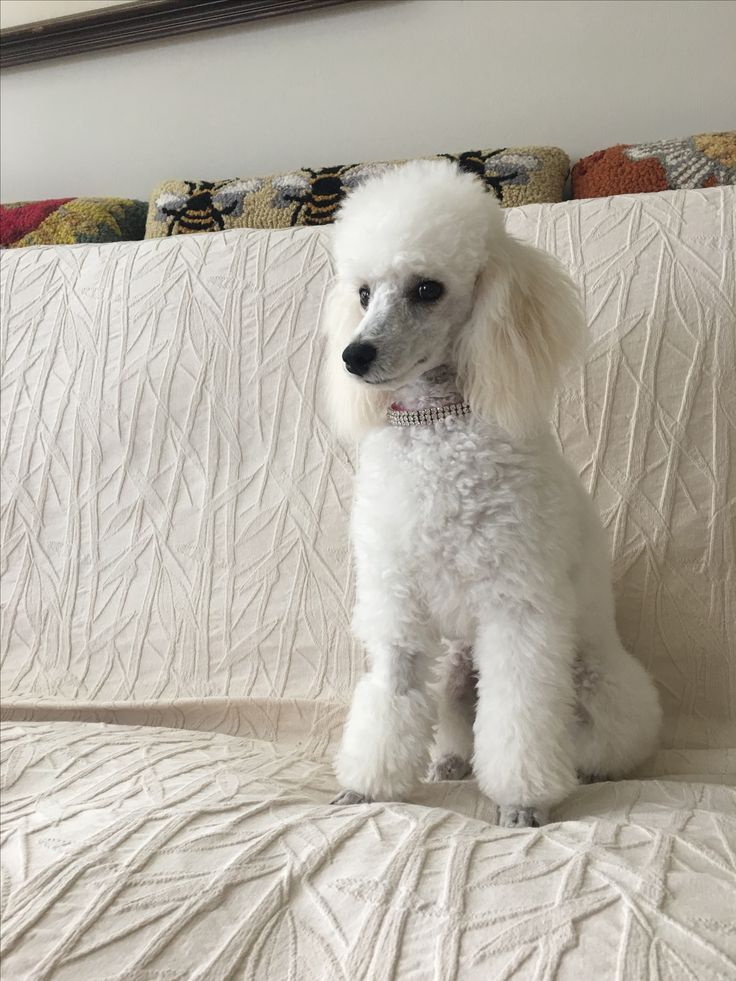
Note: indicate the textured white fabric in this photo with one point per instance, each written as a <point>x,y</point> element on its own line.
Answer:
<point>174,554</point>
<point>140,853</point>
<point>174,508</point>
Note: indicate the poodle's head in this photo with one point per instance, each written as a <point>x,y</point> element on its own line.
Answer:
<point>427,275</point>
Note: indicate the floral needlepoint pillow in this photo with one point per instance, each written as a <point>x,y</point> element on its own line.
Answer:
<point>71,221</point>
<point>312,196</point>
<point>708,160</point>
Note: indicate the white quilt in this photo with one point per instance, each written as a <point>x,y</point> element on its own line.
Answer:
<point>174,555</point>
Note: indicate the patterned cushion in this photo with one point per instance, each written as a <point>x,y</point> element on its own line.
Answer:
<point>66,221</point>
<point>517,175</point>
<point>708,160</point>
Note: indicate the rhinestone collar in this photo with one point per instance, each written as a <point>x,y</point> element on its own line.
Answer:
<point>397,415</point>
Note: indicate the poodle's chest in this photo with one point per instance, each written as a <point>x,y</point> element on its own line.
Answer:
<point>443,501</point>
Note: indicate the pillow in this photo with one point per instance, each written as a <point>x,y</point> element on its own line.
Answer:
<point>71,220</point>
<point>517,175</point>
<point>708,160</point>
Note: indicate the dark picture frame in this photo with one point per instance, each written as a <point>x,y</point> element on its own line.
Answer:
<point>130,23</point>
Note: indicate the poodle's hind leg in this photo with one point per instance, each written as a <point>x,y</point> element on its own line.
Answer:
<point>618,715</point>
<point>453,747</point>
<point>388,734</point>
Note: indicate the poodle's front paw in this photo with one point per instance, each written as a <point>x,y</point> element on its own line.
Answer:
<point>449,767</point>
<point>517,816</point>
<point>348,797</point>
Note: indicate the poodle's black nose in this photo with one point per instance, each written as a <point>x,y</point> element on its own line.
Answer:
<point>359,357</point>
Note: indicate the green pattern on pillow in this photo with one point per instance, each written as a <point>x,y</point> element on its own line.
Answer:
<point>70,221</point>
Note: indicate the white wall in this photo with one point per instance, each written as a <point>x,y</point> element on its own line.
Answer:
<point>368,82</point>
<point>14,13</point>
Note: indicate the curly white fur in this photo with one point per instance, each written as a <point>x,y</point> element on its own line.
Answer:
<point>473,529</point>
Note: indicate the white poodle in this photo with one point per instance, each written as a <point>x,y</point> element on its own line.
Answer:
<point>446,342</point>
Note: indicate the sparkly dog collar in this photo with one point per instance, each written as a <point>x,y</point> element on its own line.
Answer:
<point>397,415</point>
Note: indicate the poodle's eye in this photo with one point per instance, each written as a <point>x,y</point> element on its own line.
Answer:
<point>365,294</point>
<point>428,291</point>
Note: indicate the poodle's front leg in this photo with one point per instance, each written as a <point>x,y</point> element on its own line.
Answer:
<point>385,745</point>
<point>523,722</point>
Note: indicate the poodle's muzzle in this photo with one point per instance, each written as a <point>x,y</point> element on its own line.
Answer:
<point>393,345</point>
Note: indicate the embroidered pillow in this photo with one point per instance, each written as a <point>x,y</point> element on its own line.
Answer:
<point>708,160</point>
<point>71,220</point>
<point>311,196</point>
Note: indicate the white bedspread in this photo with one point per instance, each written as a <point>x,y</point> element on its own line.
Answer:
<point>175,555</point>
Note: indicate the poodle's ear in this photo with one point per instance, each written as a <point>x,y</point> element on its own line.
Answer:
<point>526,325</point>
<point>353,408</point>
